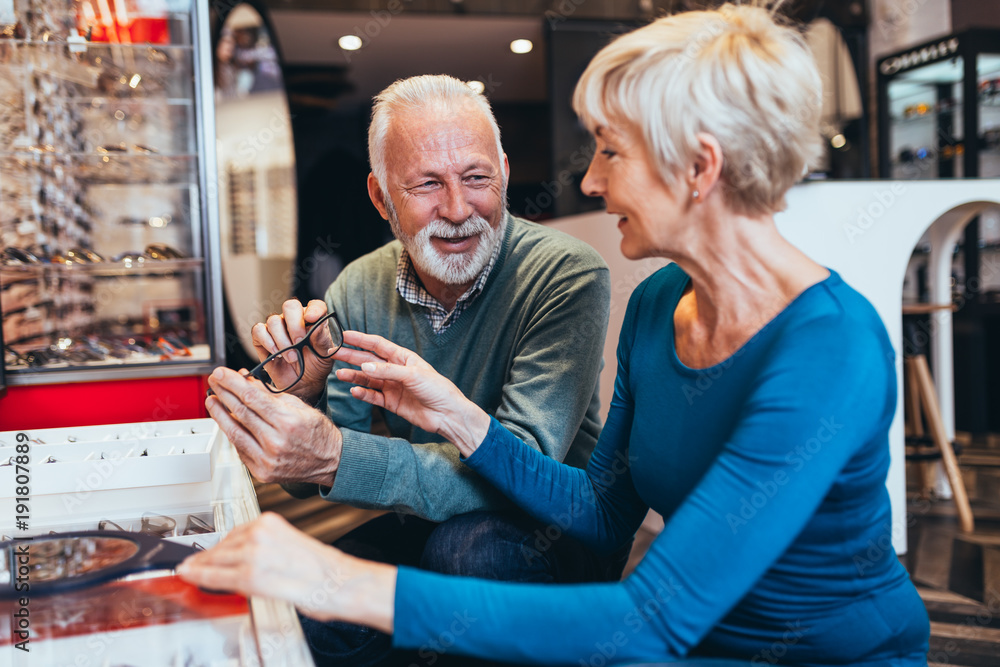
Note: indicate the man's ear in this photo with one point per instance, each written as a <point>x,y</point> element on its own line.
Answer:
<point>506,168</point>
<point>377,196</point>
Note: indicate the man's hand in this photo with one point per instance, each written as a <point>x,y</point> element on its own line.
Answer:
<point>399,380</point>
<point>288,328</point>
<point>268,557</point>
<point>279,437</point>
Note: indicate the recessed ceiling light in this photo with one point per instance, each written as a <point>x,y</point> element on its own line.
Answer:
<point>477,86</point>
<point>349,42</point>
<point>521,45</point>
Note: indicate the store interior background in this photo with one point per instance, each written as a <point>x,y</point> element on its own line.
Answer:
<point>329,91</point>
<point>293,207</point>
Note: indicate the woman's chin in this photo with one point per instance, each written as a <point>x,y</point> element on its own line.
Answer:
<point>632,250</point>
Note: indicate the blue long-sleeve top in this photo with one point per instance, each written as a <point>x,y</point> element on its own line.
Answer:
<point>769,470</point>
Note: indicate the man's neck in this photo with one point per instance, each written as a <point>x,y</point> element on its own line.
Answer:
<point>445,294</point>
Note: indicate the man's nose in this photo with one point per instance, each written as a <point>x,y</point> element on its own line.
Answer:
<point>455,207</point>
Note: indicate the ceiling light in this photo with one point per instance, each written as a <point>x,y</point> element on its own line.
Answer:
<point>838,141</point>
<point>349,42</point>
<point>521,45</point>
<point>477,86</point>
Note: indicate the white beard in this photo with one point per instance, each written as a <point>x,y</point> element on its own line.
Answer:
<point>450,268</point>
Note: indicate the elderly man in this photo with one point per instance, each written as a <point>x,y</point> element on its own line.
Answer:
<point>512,312</point>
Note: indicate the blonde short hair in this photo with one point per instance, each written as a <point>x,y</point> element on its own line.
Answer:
<point>733,73</point>
<point>430,93</point>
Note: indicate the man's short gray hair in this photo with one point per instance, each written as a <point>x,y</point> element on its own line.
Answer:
<point>734,73</point>
<point>429,93</point>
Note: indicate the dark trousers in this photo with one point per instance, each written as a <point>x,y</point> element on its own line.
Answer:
<point>505,546</point>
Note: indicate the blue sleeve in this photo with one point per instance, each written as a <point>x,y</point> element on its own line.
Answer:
<point>703,563</point>
<point>599,506</point>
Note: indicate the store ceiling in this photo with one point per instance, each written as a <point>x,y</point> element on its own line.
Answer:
<point>401,45</point>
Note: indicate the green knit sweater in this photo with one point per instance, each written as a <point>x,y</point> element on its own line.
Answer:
<point>528,351</point>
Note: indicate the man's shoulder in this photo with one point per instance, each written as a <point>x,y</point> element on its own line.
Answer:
<point>369,274</point>
<point>379,262</point>
<point>533,243</point>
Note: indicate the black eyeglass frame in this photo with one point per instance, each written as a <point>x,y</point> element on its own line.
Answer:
<point>260,372</point>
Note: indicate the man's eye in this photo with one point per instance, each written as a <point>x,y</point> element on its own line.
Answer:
<point>607,152</point>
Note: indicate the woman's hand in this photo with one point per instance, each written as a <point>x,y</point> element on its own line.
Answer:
<point>270,558</point>
<point>398,380</point>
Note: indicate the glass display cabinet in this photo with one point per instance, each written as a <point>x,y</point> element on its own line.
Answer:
<point>109,265</point>
<point>939,108</point>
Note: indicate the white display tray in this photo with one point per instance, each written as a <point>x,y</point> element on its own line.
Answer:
<point>189,468</point>
<point>116,456</point>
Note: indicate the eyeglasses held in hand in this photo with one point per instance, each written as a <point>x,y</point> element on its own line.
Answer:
<point>314,341</point>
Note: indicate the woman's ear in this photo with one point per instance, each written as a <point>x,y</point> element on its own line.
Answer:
<point>706,169</point>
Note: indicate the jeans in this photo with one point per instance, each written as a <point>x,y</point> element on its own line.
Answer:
<point>505,546</point>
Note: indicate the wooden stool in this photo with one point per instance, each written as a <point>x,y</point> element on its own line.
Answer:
<point>922,404</point>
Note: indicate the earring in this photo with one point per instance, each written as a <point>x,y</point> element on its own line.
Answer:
<point>694,195</point>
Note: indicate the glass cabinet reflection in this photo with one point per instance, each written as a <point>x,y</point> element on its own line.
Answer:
<point>105,177</point>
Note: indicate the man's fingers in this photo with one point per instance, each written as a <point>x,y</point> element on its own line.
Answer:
<point>263,341</point>
<point>249,449</point>
<point>315,309</point>
<point>246,399</point>
<point>281,333</point>
<point>295,319</point>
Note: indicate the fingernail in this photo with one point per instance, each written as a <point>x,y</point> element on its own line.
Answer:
<point>368,366</point>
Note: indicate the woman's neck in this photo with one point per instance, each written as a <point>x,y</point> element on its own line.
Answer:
<point>743,273</point>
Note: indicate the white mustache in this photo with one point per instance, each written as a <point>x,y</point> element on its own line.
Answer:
<point>473,226</point>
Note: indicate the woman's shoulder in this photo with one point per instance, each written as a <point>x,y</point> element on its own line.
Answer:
<point>832,313</point>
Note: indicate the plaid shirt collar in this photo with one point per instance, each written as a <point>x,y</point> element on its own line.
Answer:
<point>410,287</point>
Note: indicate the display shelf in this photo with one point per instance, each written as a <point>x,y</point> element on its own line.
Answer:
<point>108,148</point>
<point>141,267</point>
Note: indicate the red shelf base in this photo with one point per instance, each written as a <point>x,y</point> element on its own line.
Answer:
<point>107,402</point>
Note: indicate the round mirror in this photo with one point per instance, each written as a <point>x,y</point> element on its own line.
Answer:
<point>256,161</point>
<point>55,559</point>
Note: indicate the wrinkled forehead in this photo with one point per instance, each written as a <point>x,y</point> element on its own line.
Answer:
<point>438,138</point>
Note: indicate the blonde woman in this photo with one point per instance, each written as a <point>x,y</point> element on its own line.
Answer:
<point>752,405</point>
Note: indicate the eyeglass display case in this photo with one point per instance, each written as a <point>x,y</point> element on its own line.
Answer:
<point>177,480</point>
<point>109,266</point>
<point>939,108</point>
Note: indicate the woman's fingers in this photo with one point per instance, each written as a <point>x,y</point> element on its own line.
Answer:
<point>367,395</point>
<point>355,357</point>
<point>383,348</point>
